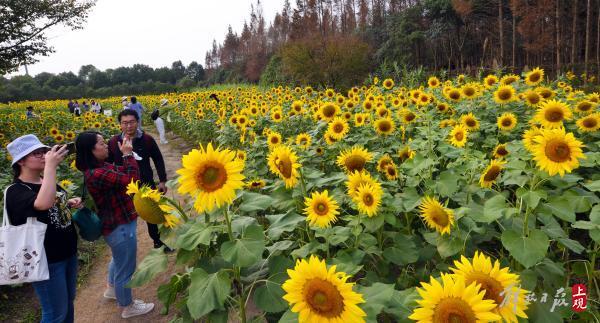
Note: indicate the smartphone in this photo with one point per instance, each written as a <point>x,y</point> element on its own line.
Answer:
<point>71,148</point>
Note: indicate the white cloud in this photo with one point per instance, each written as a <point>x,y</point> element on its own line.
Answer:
<point>151,32</point>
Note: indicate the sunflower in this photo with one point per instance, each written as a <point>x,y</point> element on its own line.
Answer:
<point>171,221</point>
<point>277,116</point>
<point>528,138</point>
<point>391,172</point>
<point>453,94</point>
<point>211,176</point>
<point>54,132</point>
<point>70,135</point>
<point>557,152</point>
<point>388,84</point>
<point>551,114</point>
<point>545,92</point>
<point>433,82</point>
<point>507,121</point>
<point>442,107</point>
<point>321,209</point>
<point>534,77</point>
<point>490,80</point>
<point>255,184</point>
<point>406,153</point>
<point>241,155</point>
<point>303,140</point>
<point>65,183</point>
<point>328,111</point>
<point>321,295</point>
<point>368,199</point>
<point>283,162</point>
<point>273,139</point>
<point>453,301</point>
<point>338,128</point>
<point>447,123</point>
<point>532,98</point>
<point>509,79</point>
<point>589,123</point>
<point>500,151</point>
<point>469,121</point>
<point>585,106</point>
<point>436,216</point>
<point>59,138</point>
<point>329,139</point>
<point>458,135</point>
<point>491,173</point>
<point>354,159</point>
<point>497,283</point>
<point>384,126</point>
<point>357,179</point>
<point>407,116</point>
<point>469,90</point>
<point>383,162</point>
<point>359,119</point>
<point>148,204</point>
<point>504,94</point>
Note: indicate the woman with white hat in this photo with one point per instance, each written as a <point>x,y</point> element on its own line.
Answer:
<point>159,123</point>
<point>34,193</point>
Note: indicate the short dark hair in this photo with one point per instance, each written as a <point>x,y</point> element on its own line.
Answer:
<point>133,99</point>
<point>29,108</point>
<point>84,144</point>
<point>128,112</point>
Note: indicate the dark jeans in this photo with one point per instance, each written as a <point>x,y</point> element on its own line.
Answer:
<point>57,294</point>
<point>154,234</point>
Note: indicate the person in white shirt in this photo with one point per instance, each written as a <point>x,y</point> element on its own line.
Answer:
<point>159,123</point>
<point>96,107</point>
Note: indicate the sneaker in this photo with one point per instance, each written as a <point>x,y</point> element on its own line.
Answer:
<point>110,293</point>
<point>168,250</point>
<point>136,308</point>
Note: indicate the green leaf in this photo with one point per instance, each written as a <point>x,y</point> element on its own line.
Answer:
<point>289,317</point>
<point>240,223</point>
<point>255,202</point>
<point>410,199</point>
<point>447,183</point>
<point>269,298</point>
<point>280,246</point>
<point>402,252</point>
<point>448,245</point>
<point>574,245</point>
<point>561,207</point>
<point>585,225</point>
<point>492,209</point>
<point>247,250</point>
<point>376,298</point>
<point>595,214</point>
<point>402,303</point>
<point>372,224</point>
<point>153,264</point>
<point>349,261</point>
<point>207,292</point>
<point>198,233</point>
<point>593,186</point>
<point>280,223</point>
<point>526,250</point>
<point>531,198</point>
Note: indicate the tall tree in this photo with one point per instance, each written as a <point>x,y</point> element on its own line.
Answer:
<point>24,23</point>
<point>557,26</point>
<point>574,33</point>
<point>501,30</point>
<point>588,24</point>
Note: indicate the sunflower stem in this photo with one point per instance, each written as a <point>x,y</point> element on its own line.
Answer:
<point>229,232</point>
<point>178,207</point>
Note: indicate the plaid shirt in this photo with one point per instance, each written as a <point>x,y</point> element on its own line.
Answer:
<point>107,186</point>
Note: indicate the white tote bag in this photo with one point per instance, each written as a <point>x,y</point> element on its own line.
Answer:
<point>22,254</point>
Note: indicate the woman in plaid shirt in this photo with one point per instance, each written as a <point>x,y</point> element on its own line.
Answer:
<point>107,185</point>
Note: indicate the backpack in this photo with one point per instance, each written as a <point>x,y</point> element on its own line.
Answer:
<point>155,114</point>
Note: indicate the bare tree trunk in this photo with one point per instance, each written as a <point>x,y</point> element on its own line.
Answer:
<point>574,34</point>
<point>557,24</point>
<point>588,23</point>
<point>598,46</point>
<point>514,40</point>
<point>501,31</point>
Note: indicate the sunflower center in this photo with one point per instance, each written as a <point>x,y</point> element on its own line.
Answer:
<point>504,94</point>
<point>385,126</point>
<point>338,128</point>
<point>471,123</point>
<point>506,122</point>
<point>410,116</point>
<point>324,298</point>
<point>355,163</point>
<point>558,151</point>
<point>439,216</point>
<point>584,106</point>
<point>274,140</point>
<point>590,123</point>
<point>285,167</point>
<point>321,208</point>
<point>492,287</point>
<point>368,199</point>
<point>492,174</point>
<point>554,115</point>
<point>391,171</point>
<point>533,98</point>
<point>453,310</point>
<point>454,95</point>
<point>534,77</point>
<point>469,91</point>
<point>459,136</point>
<point>328,111</point>
<point>501,151</point>
<point>212,177</point>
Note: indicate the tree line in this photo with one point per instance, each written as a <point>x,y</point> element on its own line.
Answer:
<point>92,82</point>
<point>336,42</point>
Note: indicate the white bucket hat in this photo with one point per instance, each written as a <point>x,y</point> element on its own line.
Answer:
<point>163,102</point>
<point>23,146</point>
<point>124,99</point>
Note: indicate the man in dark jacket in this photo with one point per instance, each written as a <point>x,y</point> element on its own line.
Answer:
<point>146,148</point>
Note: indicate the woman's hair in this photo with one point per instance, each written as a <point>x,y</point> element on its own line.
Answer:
<point>84,144</point>
<point>16,171</point>
<point>133,99</point>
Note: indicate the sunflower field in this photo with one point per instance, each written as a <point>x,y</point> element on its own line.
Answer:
<point>462,200</point>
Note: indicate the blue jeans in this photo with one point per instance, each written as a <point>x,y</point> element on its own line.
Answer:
<point>123,245</point>
<point>58,292</point>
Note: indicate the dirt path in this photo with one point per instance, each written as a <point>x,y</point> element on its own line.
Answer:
<point>90,305</point>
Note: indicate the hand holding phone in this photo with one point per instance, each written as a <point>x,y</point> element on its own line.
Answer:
<point>70,148</point>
